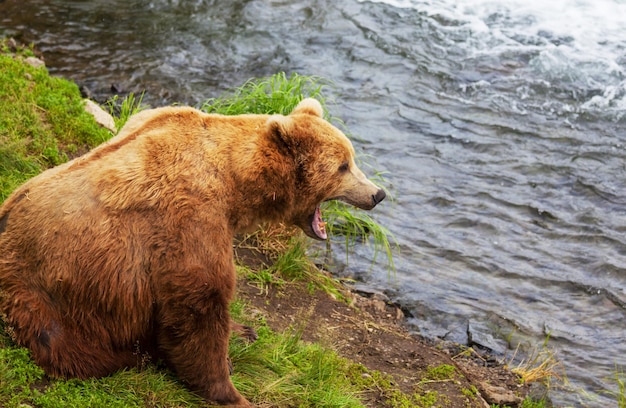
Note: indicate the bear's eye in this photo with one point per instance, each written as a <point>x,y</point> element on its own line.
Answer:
<point>344,167</point>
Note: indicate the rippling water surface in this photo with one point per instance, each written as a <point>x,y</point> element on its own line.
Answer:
<point>500,124</point>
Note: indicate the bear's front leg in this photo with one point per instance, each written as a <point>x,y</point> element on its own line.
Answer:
<point>193,332</point>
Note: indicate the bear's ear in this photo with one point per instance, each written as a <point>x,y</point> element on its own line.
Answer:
<point>309,106</point>
<point>279,130</point>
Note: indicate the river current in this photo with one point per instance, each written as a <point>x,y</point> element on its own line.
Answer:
<point>500,126</point>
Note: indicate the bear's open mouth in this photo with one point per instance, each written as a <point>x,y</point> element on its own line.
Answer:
<point>318,225</point>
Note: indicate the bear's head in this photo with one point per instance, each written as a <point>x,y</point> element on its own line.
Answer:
<point>321,158</point>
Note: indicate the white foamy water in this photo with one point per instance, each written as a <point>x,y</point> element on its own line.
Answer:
<point>573,45</point>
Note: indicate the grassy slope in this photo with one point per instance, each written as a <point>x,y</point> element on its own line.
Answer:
<point>41,121</point>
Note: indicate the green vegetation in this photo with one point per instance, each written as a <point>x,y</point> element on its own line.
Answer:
<point>470,392</point>
<point>42,121</point>
<point>620,394</point>
<point>441,373</point>
<point>278,94</point>
<point>123,109</point>
<point>384,384</point>
<point>279,367</point>
<point>527,403</point>
<point>287,260</point>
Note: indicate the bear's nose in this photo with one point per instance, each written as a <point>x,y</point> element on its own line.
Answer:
<point>379,196</point>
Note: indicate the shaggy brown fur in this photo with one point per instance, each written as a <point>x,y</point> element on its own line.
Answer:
<point>129,247</point>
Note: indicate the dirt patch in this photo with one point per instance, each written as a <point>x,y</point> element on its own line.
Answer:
<point>371,331</point>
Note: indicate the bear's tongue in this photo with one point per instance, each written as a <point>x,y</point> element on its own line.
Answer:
<point>318,224</point>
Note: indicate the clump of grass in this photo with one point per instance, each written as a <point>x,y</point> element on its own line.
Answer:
<point>123,108</point>
<point>285,252</point>
<point>283,369</point>
<point>530,403</point>
<point>621,390</point>
<point>277,94</point>
<point>471,392</point>
<point>129,388</point>
<point>442,372</point>
<point>620,394</point>
<point>356,226</point>
<point>541,366</point>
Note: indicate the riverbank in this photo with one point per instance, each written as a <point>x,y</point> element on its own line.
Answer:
<point>347,345</point>
<point>368,330</point>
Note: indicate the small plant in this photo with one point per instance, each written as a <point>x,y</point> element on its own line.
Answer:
<point>428,399</point>
<point>264,278</point>
<point>540,366</point>
<point>530,403</point>
<point>293,263</point>
<point>277,94</point>
<point>471,392</point>
<point>444,372</point>
<point>621,384</point>
<point>620,393</point>
<point>122,111</point>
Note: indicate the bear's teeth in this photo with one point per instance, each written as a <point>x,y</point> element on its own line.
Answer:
<point>319,226</point>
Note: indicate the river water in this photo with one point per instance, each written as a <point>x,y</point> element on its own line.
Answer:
<point>500,125</point>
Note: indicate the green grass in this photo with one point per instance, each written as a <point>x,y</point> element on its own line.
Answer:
<point>281,368</point>
<point>286,253</point>
<point>42,121</point>
<point>620,393</point>
<point>277,94</point>
<point>123,108</point>
<point>620,380</point>
<point>440,373</point>
<point>527,403</point>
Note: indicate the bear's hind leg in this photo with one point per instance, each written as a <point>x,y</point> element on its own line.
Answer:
<point>196,348</point>
<point>193,338</point>
<point>62,349</point>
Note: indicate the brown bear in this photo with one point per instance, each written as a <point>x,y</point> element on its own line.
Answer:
<point>130,247</point>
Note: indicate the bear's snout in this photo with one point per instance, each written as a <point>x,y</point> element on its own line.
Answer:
<point>378,197</point>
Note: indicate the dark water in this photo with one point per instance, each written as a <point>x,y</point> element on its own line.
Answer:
<point>500,126</point>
